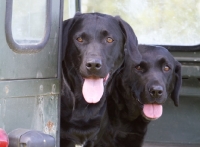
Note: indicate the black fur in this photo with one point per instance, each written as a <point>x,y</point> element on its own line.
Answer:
<point>130,90</point>
<point>82,122</point>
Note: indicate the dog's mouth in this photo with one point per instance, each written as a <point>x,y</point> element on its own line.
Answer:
<point>152,111</point>
<point>93,88</point>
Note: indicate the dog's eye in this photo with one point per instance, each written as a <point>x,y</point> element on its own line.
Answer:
<point>109,40</point>
<point>138,67</point>
<point>79,39</point>
<point>166,68</point>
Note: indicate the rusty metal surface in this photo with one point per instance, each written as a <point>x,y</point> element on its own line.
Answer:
<point>31,104</point>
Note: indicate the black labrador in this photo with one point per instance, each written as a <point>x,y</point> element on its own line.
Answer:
<point>136,95</point>
<point>93,49</point>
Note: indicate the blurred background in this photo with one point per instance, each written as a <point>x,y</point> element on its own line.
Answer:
<point>163,22</point>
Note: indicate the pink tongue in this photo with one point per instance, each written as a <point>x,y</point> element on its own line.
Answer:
<point>152,111</point>
<point>93,90</point>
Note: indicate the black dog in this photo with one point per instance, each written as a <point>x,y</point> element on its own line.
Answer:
<point>136,95</point>
<point>93,48</point>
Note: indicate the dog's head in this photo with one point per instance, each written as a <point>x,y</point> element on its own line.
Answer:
<point>156,78</point>
<point>93,45</point>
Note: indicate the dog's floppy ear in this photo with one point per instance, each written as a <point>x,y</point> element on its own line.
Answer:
<point>67,25</point>
<point>178,83</point>
<point>131,44</point>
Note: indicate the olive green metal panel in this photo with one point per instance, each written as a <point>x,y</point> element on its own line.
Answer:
<point>32,87</point>
<point>43,64</point>
<point>191,88</point>
<point>187,56</point>
<point>29,82</point>
<point>30,104</point>
<point>36,113</point>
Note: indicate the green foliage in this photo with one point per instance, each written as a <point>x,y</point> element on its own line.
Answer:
<point>155,21</point>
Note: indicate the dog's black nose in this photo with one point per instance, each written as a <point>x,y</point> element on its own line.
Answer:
<point>93,64</point>
<point>156,91</point>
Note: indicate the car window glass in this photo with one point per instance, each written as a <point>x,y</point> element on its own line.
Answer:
<point>28,21</point>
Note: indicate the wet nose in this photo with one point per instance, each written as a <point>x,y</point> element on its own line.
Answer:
<point>156,91</point>
<point>93,64</point>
